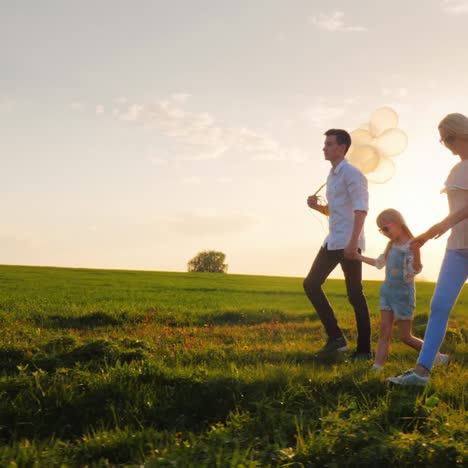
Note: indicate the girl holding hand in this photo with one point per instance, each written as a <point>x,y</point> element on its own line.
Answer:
<point>397,295</point>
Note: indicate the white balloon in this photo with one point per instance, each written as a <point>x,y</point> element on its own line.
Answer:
<point>384,171</point>
<point>364,157</point>
<point>382,119</point>
<point>361,137</point>
<point>392,142</point>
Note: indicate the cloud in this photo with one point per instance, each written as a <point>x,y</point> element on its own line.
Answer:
<point>281,37</point>
<point>156,160</point>
<point>180,98</point>
<point>6,104</point>
<point>224,180</point>
<point>121,100</point>
<point>199,136</point>
<point>193,180</point>
<point>351,101</point>
<point>282,155</point>
<point>394,92</point>
<point>132,114</point>
<point>334,23</point>
<point>319,114</point>
<point>197,225</point>
<point>77,106</point>
<point>396,97</point>
<point>456,7</point>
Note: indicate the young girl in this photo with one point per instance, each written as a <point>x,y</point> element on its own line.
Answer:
<point>397,294</point>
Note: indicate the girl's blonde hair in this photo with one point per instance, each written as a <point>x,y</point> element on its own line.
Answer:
<point>455,123</point>
<point>391,215</point>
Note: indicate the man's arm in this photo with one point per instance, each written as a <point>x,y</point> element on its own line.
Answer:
<point>351,249</point>
<point>356,184</point>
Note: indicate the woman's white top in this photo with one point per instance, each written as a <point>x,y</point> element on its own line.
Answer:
<point>456,187</point>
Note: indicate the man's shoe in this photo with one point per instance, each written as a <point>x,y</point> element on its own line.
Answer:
<point>334,345</point>
<point>441,360</point>
<point>361,356</point>
<point>409,378</point>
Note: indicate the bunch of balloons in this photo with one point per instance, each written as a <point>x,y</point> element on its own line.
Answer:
<point>375,143</point>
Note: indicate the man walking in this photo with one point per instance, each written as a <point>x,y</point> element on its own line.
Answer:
<point>347,207</point>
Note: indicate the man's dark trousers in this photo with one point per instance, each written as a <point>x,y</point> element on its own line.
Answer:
<point>323,265</point>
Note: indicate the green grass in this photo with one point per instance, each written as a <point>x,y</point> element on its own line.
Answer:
<point>114,368</point>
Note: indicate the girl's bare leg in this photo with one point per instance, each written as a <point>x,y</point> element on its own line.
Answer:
<point>385,336</point>
<point>406,335</point>
<point>405,331</point>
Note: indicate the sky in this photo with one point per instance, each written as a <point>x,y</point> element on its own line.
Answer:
<point>137,134</point>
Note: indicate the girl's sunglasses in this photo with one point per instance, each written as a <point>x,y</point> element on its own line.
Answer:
<point>385,229</point>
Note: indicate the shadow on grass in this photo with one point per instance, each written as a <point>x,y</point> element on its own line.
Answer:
<point>267,292</point>
<point>62,353</point>
<point>252,317</point>
<point>11,358</point>
<point>260,356</point>
<point>95,319</point>
<point>236,317</point>
<point>166,400</point>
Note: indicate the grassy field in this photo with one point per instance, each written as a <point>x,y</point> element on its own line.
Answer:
<point>127,368</point>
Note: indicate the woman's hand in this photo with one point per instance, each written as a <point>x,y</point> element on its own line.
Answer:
<point>433,232</point>
<point>440,229</point>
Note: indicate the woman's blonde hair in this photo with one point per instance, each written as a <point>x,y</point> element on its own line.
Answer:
<point>391,215</point>
<point>455,123</point>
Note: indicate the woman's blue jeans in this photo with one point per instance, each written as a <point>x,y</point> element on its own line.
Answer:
<point>452,276</point>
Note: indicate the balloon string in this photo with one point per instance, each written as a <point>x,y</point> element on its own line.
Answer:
<point>320,188</point>
<point>327,213</point>
<point>320,221</point>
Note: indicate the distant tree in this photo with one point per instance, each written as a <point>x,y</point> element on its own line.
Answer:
<point>208,261</point>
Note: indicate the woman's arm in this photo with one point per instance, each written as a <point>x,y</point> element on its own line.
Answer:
<point>451,220</point>
<point>441,228</point>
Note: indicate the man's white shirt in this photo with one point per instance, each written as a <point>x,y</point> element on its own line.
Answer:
<point>346,193</point>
